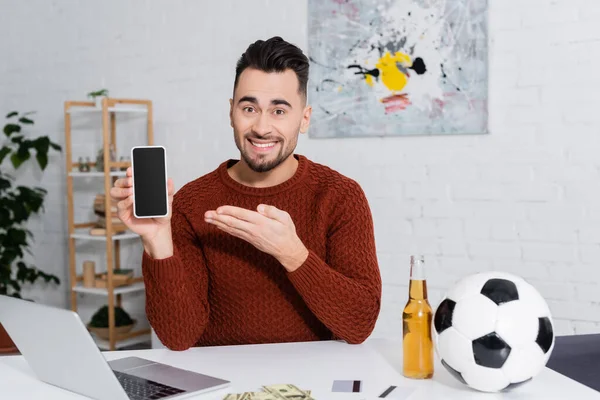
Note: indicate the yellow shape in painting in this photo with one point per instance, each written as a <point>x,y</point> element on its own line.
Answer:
<point>391,76</point>
<point>369,80</point>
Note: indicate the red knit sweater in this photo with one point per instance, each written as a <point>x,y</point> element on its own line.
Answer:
<point>217,289</point>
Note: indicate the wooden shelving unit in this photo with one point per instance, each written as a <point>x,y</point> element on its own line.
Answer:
<point>80,230</point>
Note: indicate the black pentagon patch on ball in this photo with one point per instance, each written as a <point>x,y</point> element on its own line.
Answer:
<point>545,334</point>
<point>490,351</point>
<point>454,372</point>
<point>516,384</point>
<point>500,290</point>
<point>443,315</point>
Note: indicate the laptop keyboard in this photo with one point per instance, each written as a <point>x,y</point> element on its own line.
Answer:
<point>144,389</point>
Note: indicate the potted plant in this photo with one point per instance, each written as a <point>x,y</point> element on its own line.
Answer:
<point>99,322</point>
<point>17,204</point>
<point>97,96</point>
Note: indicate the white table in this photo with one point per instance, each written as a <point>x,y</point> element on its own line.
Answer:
<point>377,363</point>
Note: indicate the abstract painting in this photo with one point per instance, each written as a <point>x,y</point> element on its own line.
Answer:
<point>398,67</point>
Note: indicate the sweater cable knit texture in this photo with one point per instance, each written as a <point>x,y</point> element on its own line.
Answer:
<point>217,289</point>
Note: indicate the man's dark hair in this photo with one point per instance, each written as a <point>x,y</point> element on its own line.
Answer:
<point>274,55</point>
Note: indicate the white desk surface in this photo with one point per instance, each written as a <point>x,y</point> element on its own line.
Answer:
<point>377,363</point>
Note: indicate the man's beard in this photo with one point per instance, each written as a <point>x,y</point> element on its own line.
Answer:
<point>261,164</point>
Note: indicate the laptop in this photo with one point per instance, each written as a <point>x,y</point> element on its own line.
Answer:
<point>60,350</point>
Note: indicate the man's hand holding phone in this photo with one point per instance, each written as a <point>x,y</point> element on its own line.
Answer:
<point>155,232</point>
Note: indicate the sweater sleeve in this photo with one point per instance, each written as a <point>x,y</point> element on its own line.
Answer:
<point>177,288</point>
<point>344,291</point>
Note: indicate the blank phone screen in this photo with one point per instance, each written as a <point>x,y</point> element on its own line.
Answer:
<point>149,181</point>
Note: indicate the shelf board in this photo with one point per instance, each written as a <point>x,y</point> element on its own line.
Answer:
<point>104,344</point>
<point>135,287</point>
<point>96,173</point>
<point>121,109</point>
<point>120,236</point>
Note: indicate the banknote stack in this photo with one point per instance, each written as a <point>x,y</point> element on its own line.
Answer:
<point>273,392</point>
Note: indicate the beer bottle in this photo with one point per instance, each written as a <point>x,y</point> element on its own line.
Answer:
<point>417,343</point>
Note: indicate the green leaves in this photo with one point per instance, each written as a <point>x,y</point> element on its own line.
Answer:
<point>42,145</point>
<point>100,317</point>
<point>17,204</point>
<point>4,151</point>
<point>19,158</point>
<point>9,129</point>
<point>101,92</point>
<point>20,152</point>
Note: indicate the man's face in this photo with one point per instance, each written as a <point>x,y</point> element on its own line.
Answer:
<point>267,114</point>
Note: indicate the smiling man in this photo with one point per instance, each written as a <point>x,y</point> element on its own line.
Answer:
<point>271,247</point>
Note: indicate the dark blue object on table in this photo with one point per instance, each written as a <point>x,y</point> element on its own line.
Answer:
<point>578,357</point>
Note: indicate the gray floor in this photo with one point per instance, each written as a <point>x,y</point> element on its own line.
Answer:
<point>578,357</point>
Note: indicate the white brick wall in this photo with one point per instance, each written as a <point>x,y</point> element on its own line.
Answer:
<point>522,199</point>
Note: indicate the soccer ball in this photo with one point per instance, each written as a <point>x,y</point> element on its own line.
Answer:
<point>493,331</point>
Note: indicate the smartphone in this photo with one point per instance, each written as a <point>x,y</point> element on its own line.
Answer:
<point>150,190</point>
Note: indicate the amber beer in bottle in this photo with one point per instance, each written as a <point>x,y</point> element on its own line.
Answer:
<point>417,343</point>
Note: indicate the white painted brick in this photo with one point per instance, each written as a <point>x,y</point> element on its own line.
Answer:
<point>541,231</point>
<point>579,93</point>
<point>392,272</point>
<point>525,269</point>
<point>589,11</point>
<point>519,40</point>
<point>576,32</point>
<point>565,173</point>
<point>426,191</point>
<point>462,266</point>
<point>477,229</point>
<point>583,113</point>
<point>403,174</point>
<point>558,212</point>
<point>502,173</point>
<point>549,252</point>
<point>504,231</point>
<point>586,328</point>
<point>529,78</point>
<point>453,173</point>
<point>588,292</point>
<point>504,61</point>
<point>517,97</point>
<point>582,154</point>
<point>572,310</point>
<point>446,209</point>
<point>453,247</point>
<point>572,272</point>
<point>574,192</point>
<point>425,228</point>
<point>554,290</point>
<point>494,250</point>
<point>501,17</point>
<point>417,245</point>
<point>493,210</point>
<point>479,192</point>
<point>533,192</point>
<point>395,208</point>
<point>395,227</point>
<point>589,234</point>
<point>449,228</point>
<point>376,190</point>
<point>563,327</point>
<point>550,17</point>
<point>590,253</point>
<point>439,279</point>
